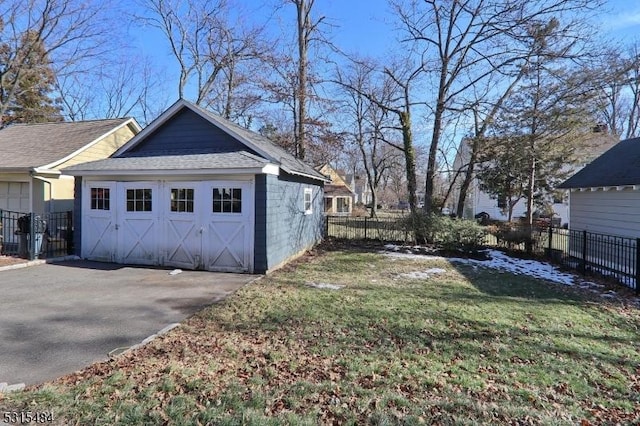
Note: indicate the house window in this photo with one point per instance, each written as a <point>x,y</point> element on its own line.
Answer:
<point>308,204</point>
<point>227,200</point>
<point>182,200</point>
<point>139,200</point>
<point>328,204</point>
<point>99,198</point>
<point>343,205</point>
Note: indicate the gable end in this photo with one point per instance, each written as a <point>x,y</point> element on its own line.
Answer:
<point>186,133</point>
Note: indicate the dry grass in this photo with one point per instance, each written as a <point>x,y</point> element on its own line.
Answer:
<point>466,346</point>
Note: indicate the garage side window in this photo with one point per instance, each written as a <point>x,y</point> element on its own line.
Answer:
<point>308,204</point>
<point>227,200</point>
<point>138,200</point>
<point>99,198</point>
<point>182,200</point>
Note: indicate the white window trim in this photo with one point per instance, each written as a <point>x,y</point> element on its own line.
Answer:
<point>304,201</point>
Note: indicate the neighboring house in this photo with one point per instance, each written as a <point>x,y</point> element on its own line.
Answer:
<point>362,191</point>
<point>338,196</point>
<point>33,155</point>
<point>605,195</point>
<point>478,201</point>
<point>193,190</point>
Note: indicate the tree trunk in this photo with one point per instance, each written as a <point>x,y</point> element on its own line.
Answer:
<point>532,187</point>
<point>410,160</point>
<point>431,162</point>
<point>303,27</point>
<point>468,178</point>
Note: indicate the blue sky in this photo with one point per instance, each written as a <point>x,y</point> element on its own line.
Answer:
<point>365,26</point>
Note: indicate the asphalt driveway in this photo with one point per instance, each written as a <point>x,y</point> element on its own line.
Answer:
<point>58,318</point>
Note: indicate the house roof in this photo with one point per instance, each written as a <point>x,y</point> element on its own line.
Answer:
<point>27,146</point>
<point>337,190</point>
<point>222,161</point>
<point>254,141</point>
<point>618,166</point>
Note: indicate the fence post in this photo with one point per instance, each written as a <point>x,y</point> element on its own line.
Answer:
<point>637,269</point>
<point>550,238</point>
<point>326,226</point>
<point>365,227</point>
<point>70,246</point>
<point>32,234</point>
<point>584,252</point>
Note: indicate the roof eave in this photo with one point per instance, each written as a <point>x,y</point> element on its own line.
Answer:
<point>294,172</point>
<point>16,169</point>
<point>267,169</point>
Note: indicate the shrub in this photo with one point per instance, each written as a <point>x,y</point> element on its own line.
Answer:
<point>462,234</point>
<point>446,232</point>
<point>513,235</point>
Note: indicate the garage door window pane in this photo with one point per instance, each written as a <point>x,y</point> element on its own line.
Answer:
<point>227,200</point>
<point>99,198</point>
<point>139,200</point>
<point>182,200</point>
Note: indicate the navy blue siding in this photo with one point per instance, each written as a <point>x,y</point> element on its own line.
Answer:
<point>282,229</point>
<point>186,133</point>
<point>77,216</point>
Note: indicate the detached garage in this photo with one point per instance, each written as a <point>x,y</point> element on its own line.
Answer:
<point>195,191</point>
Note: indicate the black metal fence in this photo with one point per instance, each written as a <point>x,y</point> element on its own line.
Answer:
<point>583,251</point>
<point>33,236</point>
<point>356,228</point>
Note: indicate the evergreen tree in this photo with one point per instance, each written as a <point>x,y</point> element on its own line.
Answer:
<point>26,83</point>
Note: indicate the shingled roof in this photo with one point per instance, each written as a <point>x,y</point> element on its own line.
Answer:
<point>222,161</point>
<point>618,166</point>
<point>27,146</point>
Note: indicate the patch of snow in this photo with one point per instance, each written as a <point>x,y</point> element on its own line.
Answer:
<point>326,286</point>
<point>501,262</point>
<point>175,272</point>
<point>424,274</point>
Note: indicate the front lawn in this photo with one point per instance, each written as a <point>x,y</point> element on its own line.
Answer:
<point>404,341</point>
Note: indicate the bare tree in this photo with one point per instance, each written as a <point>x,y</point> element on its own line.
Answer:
<point>395,98</point>
<point>368,122</point>
<point>464,42</point>
<point>212,50</point>
<point>62,33</point>
<point>118,88</point>
<point>616,73</point>
<point>307,32</point>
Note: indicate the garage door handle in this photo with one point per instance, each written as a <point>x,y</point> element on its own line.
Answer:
<point>117,227</point>
<point>201,230</point>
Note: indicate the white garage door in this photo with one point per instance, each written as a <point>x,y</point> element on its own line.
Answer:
<point>195,225</point>
<point>14,196</point>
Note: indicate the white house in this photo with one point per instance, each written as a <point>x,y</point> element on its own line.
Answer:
<point>605,195</point>
<point>478,201</point>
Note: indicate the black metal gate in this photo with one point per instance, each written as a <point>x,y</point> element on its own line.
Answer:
<point>33,236</point>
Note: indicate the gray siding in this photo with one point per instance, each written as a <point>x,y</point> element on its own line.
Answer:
<point>77,216</point>
<point>610,212</point>
<point>282,227</point>
<point>186,133</point>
